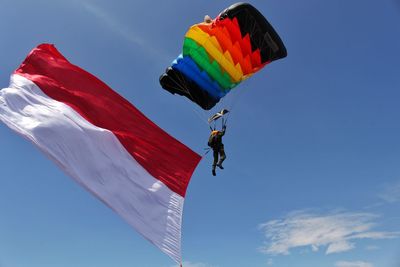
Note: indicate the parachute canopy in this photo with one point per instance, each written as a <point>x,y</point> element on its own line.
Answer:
<point>220,54</point>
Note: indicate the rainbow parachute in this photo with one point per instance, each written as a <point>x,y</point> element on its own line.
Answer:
<point>219,54</point>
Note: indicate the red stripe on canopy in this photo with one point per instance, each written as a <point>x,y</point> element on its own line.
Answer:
<point>164,157</point>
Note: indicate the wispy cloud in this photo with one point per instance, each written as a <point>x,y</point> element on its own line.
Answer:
<point>337,231</point>
<point>112,23</point>
<point>353,264</point>
<point>129,34</point>
<point>391,192</point>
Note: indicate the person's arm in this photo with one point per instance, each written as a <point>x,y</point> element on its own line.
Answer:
<point>223,130</point>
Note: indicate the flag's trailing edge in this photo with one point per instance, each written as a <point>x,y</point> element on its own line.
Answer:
<point>103,142</point>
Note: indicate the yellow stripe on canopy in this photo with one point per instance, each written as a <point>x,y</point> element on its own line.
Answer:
<point>211,45</point>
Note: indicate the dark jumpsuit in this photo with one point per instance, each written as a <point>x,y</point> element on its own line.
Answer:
<point>218,148</point>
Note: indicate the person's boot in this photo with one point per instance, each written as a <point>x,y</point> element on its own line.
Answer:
<point>213,171</point>
<point>219,164</point>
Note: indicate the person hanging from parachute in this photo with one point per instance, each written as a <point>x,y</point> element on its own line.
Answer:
<point>215,141</point>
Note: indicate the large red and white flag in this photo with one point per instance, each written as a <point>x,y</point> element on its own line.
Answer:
<point>103,142</point>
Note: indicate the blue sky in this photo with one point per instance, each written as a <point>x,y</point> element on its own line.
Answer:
<point>312,176</point>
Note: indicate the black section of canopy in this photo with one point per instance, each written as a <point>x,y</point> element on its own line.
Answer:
<point>262,34</point>
<point>176,82</point>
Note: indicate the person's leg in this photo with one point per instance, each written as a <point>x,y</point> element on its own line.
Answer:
<point>215,155</point>
<point>221,158</point>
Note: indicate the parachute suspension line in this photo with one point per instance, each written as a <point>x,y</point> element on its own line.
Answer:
<point>240,93</point>
<point>178,84</point>
<point>225,121</point>
<point>201,116</point>
<point>229,105</point>
<point>183,88</point>
<point>235,99</point>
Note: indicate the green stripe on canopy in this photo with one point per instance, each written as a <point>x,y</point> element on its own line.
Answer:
<point>200,56</point>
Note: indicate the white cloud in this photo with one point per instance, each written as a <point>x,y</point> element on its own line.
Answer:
<point>353,264</point>
<point>339,246</point>
<point>391,192</point>
<point>337,231</point>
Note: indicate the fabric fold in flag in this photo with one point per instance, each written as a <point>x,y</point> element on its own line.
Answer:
<point>103,142</point>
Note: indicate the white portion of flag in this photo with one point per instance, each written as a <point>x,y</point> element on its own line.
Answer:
<point>95,158</point>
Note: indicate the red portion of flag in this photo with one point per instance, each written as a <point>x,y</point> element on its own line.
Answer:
<point>164,157</point>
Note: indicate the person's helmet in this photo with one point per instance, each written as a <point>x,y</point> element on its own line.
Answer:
<point>207,19</point>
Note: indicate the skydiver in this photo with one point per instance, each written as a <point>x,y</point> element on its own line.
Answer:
<point>215,142</point>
